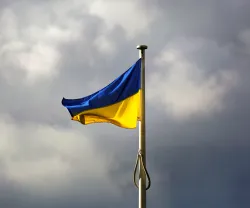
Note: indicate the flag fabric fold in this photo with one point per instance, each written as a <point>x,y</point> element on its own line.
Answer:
<point>117,103</point>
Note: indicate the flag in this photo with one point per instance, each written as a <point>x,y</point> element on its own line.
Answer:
<point>117,103</point>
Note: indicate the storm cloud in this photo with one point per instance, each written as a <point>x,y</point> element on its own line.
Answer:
<point>197,93</point>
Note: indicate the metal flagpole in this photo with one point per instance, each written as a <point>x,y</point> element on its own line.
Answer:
<point>142,132</point>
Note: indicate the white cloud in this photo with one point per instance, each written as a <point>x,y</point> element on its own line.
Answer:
<point>182,88</point>
<point>128,14</point>
<point>44,159</point>
<point>105,45</point>
<point>41,60</point>
<point>33,47</point>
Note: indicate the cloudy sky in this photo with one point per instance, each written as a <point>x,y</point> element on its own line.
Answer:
<point>198,102</point>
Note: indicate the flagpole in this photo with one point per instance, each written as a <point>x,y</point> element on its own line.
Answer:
<point>142,131</point>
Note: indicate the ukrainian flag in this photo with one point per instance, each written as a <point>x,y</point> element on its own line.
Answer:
<point>117,103</point>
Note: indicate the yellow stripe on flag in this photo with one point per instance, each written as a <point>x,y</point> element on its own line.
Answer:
<point>121,114</point>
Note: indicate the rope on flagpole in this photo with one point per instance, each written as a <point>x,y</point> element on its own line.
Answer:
<point>139,158</point>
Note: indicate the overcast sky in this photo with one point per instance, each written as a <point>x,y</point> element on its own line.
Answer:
<point>198,102</point>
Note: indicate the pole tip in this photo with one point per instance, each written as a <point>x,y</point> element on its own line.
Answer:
<point>142,47</point>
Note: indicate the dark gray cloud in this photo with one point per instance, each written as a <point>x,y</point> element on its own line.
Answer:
<point>206,175</point>
<point>48,161</point>
<point>217,20</point>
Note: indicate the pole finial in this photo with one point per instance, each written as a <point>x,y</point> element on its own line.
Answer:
<point>142,47</point>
